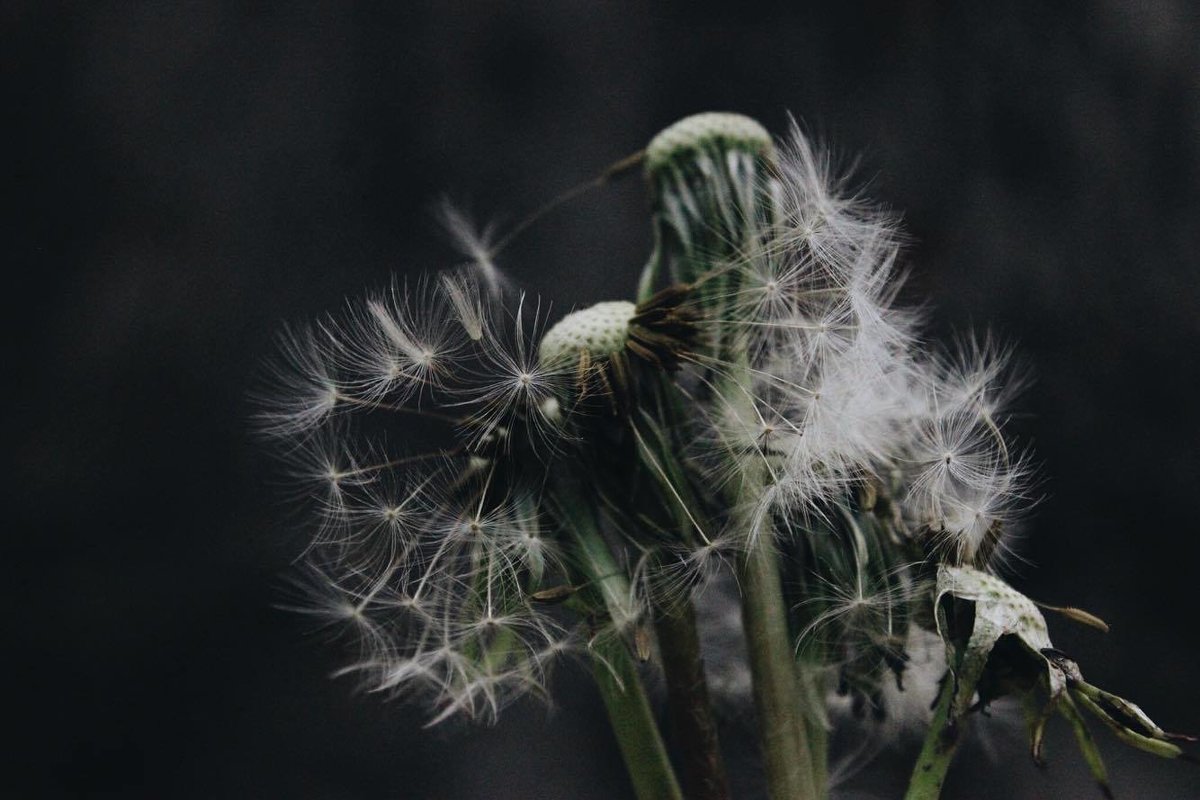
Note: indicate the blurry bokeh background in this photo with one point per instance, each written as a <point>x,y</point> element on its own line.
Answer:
<point>186,177</point>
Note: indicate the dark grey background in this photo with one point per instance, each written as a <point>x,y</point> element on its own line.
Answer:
<point>186,177</point>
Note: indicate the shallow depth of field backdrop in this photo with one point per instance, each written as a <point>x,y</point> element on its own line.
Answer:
<point>187,178</point>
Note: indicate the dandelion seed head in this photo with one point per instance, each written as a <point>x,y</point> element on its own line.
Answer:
<point>708,128</point>
<point>600,331</point>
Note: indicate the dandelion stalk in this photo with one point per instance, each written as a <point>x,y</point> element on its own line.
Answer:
<point>787,753</point>
<point>785,732</point>
<point>633,722</point>
<point>692,723</point>
<point>709,176</point>
<point>938,749</point>
<point>629,712</point>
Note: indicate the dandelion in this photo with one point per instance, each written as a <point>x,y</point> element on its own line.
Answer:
<point>763,414</point>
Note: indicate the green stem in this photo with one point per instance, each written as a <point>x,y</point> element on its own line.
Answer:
<point>632,720</point>
<point>790,719</point>
<point>788,754</point>
<point>941,742</point>
<point>652,272</point>
<point>692,723</point>
<point>813,690</point>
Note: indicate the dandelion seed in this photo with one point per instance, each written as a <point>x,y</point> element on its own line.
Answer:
<point>475,242</point>
<point>303,392</point>
<point>398,344</point>
<point>468,308</point>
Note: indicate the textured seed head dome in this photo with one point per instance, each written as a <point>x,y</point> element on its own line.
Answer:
<point>601,330</point>
<point>713,127</point>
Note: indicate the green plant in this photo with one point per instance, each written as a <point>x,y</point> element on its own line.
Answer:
<point>763,406</point>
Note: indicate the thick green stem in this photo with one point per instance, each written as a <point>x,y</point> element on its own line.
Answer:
<point>941,742</point>
<point>790,719</point>
<point>812,681</point>
<point>692,724</point>
<point>784,732</point>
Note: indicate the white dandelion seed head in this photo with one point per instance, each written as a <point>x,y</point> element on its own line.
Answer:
<point>802,383</point>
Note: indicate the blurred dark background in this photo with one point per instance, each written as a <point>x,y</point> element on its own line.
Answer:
<point>186,177</point>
